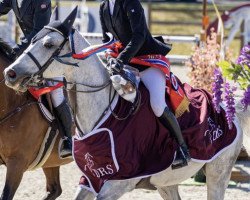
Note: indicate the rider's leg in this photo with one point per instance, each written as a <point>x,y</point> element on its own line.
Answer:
<point>155,81</point>
<point>64,114</point>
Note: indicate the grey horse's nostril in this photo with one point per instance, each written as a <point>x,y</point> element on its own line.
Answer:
<point>11,74</point>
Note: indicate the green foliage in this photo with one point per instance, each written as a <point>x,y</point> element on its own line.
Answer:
<point>235,72</point>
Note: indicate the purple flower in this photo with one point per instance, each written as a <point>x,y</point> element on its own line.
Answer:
<point>230,104</point>
<point>246,49</point>
<point>244,58</point>
<point>217,89</point>
<point>246,98</point>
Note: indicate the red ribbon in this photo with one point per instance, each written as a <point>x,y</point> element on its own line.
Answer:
<point>36,93</point>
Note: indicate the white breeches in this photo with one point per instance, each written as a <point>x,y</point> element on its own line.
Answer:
<point>155,81</point>
<point>57,96</point>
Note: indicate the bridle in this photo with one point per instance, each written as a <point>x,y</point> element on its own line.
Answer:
<point>55,56</point>
<point>95,88</point>
<point>43,67</point>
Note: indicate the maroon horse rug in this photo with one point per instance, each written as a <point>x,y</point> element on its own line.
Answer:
<point>140,146</point>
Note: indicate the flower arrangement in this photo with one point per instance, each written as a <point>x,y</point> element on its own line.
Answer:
<point>211,74</point>
<point>203,62</point>
<point>238,73</point>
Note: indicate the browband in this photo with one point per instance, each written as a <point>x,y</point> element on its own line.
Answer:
<point>54,29</point>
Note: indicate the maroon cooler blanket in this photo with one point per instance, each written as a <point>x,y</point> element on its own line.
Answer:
<point>140,146</point>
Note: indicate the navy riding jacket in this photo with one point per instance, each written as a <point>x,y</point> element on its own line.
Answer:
<point>32,16</point>
<point>128,25</point>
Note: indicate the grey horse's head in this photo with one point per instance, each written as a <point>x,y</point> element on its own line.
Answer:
<point>40,54</point>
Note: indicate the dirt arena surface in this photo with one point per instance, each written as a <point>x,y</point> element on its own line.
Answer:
<point>33,183</point>
<point>33,188</point>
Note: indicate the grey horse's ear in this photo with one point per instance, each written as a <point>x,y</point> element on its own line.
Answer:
<point>54,14</point>
<point>69,21</point>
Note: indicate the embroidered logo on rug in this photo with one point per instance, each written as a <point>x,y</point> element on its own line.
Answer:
<point>214,132</point>
<point>99,172</point>
<point>89,161</point>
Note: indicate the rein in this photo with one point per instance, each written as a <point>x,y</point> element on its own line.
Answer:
<point>96,88</point>
<point>134,108</point>
<point>16,110</point>
<point>132,111</point>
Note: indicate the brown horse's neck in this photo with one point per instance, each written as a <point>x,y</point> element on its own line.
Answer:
<point>9,99</point>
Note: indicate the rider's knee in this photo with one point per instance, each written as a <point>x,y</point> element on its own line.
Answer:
<point>57,96</point>
<point>158,108</point>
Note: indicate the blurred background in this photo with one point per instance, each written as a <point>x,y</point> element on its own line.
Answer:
<point>185,24</point>
<point>181,21</point>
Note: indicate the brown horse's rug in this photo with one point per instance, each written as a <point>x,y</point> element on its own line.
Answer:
<point>140,146</point>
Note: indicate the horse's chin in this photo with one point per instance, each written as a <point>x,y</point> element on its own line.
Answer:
<point>22,89</point>
<point>17,87</point>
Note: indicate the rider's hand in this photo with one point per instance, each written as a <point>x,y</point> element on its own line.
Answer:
<point>115,64</point>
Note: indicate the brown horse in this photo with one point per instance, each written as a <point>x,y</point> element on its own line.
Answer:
<point>21,135</point>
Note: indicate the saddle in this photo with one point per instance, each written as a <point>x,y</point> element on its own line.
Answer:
<point>54,129</point>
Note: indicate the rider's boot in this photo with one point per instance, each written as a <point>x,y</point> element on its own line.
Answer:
<point>65,116</point>
<point>170,122</point>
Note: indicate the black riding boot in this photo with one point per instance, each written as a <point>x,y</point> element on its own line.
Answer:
<point>169,121</point>
<point>65,116</point>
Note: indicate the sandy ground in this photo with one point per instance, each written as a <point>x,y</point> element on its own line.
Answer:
<point>33,183</point>
<point>33,188</point>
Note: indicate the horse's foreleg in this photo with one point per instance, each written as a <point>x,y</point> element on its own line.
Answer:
<point>217,181</point>
<point>53,186</point>
<point>218,172</point>
<point>15,169</point>
<point>110,191</point>
<point>83,194</point>
<point>169,192</point>
<point>115,189</point>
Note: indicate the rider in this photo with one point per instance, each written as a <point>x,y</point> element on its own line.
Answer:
<point>32,16</point>
<point>126,21</point>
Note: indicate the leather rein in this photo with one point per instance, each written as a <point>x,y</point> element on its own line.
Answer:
<point>16,110</point>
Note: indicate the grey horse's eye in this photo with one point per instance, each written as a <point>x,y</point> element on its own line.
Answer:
<point>48,45</point>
